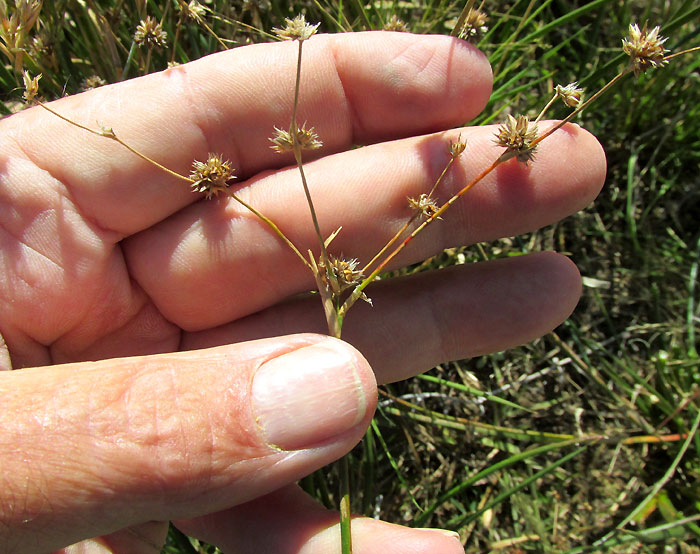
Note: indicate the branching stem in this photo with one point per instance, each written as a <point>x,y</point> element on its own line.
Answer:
<point>357,292</point>
<point>109,133</point>
<point>409,222</point>
<point>271,224</point>
<point>582,107</point>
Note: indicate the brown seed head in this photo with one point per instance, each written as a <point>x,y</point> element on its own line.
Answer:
<point>296,29</point>
<point>194,10</point>
<point>346,276</point>
<point>91,82</point>
<point>645,48</point>
<point>395,24</point>
<point>517,135</point>
<point>474,26</point>
<point>424,204</point>
<point>346,273</point>
<point>150,33</point>
<point>571,94</point>
<point>282,141</point>
<point>455,149</point>
<point>31,87</point>
<point>211,177</point>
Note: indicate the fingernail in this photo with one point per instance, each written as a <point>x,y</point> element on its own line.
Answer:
<point>309,395</point>
<point>445,532</point>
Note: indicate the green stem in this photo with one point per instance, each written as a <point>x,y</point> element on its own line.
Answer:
<point>176,38</point>
<point>129,60</point>
<point>345,531</point>
<point>148,61</point>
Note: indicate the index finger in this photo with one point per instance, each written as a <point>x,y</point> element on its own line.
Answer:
<point>356,88</point>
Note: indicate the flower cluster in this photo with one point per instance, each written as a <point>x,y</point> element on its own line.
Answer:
<point>193,10</point>
<point>455,149</point>
<point>296,29</point>
<point>571,94</point>
<point>307,139</point>
<point>211,177</point>
<point>150,33</point>
<point>517,136</point>
<point>474,26</point>
<point>645,48</point>
<point>31,87</point>
<point>395,24</point>
<point>425,205</point>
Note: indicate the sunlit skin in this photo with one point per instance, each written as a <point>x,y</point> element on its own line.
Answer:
<point>106,256</point>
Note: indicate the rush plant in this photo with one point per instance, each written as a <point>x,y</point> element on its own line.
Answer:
<point>343,280</point>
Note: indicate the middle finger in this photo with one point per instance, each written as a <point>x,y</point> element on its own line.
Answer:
<point>214,262</point>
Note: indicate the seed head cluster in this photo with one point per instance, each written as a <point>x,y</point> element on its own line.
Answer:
<point>455,149</point>
<point>31,87</point>
<point>91,82</point>
<point>193,10</point>
<point>645,48</point>
<point>296,29</point>
<point>150,33</point>
<point>211,177</point>
<point>425,205</point>
<point>395,24</point>
<point>517,135</point>
<point>474,26</point>
<point>307,139</point>
<point>571,94</point>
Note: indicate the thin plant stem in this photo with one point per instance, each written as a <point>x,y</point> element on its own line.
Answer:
<point>325,259</point>
<point>582,107</point>
<point>462,18</point>
<point>297,153</point>
<point>109,133</point>
<point>176,39</point>
<point>345,531</point>
<point>129,60</point>
<point>409,222</point>
<point>212,33</point>
<point>270,224</point>
<point>300,165</point>
<point>148,61</point>
<point>439,179</point>
<point>356,293</point>
<point>390,243</point>
<point>676,54</point>
<point>544,110</point>
<point>335,323</point>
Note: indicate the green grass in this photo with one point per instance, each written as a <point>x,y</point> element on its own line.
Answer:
<point>563,453</point>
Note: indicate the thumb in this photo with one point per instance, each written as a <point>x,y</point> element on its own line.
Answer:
<point>90,448</point>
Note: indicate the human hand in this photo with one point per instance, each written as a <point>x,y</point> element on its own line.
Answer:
<point>106,256</point>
